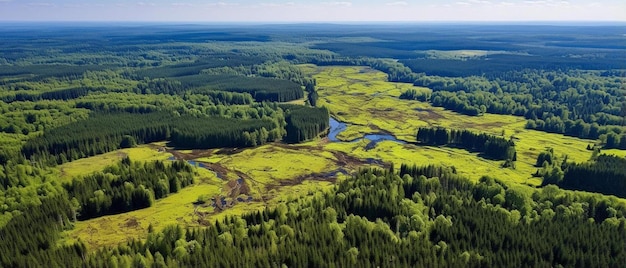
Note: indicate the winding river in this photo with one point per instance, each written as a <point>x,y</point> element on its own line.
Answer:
<point>337,127</point>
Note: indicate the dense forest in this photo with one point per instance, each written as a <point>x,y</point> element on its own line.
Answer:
<point>70,92</point>
<point>102,133</point>
<point>127,186</point>
<point>576,103</point>
<point>304,123</point>
<point>491,146</point>
<point>376,218</point>
<point>604,174</point>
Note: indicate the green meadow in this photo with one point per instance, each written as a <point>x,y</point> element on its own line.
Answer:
<point>358,96</point>
<point>362,98</point>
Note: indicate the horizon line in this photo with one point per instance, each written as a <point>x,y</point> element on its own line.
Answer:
<point>347,22</point>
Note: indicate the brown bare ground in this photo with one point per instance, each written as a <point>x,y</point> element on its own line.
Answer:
<point>131,223</point>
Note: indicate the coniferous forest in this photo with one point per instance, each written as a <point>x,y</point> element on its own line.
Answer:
<point>492,146</point>
<point>312,145</point>
<point>376,218</point>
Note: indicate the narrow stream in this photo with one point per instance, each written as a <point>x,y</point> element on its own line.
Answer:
<point>337,127</point>
<point>200,165</point>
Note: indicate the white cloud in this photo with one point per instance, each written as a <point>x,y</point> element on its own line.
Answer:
<point>182,4</point>
<point>505,4</point>
<point>399,3</point>
<point>325,10</point>
<point>287,4</point>
<point>221,4</point>
<point>546,3</point>
<point>481,2</point>
<point>342,4</point>
<point>41,4</point>
<point>143,4</point>
<point>535,2</point>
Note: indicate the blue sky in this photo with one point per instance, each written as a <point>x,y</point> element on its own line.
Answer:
<point>312,11</point>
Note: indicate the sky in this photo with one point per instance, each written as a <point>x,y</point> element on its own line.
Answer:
<point>312,11</point>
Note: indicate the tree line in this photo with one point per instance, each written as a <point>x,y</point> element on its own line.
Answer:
<point>63,94</point>
<point>127,186</point>
<point>375,218</point>
<point>30,238</point>
<point>105,132</point>
<point>603,174</point>
<point>223,132</point>
<point>491,146</point>
<point>576,103</point>
<point>305,123</point>
<point>102,133</point>
<point>174,87</point>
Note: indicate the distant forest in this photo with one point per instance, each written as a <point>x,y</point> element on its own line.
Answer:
<point>70,92</point>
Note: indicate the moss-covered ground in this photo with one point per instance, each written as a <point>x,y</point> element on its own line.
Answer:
<point>363,99</point>
<point>250,179</point>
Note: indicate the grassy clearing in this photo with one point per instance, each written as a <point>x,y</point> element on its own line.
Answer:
<point>109,230</point>
<point>274,173</point>
<point>89,165</point>
<point>269,163</point>
<point>177,209</point>
<point>362,98</point>
<point>271,172</point>
<point>616,152</point>
<point>466,163</point>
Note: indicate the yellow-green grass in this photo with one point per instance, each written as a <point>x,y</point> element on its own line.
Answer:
<point>265,166</point>
<point>453,54</point>
<point>463,54</point>
<point>616,152</point>
<point>467,164</point>
<point>362,98</point>
<point>269,164</point>
<point>110,230</point>
<point>178,209</point>
<point>366,100</point>
<point>307,69</point>
<point>274,197</point>
<point>85,166</point>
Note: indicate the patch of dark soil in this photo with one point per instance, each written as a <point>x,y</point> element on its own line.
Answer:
<point>429,114</point>
<point>229,151</point>
<point>131,223</point>
<point>237,187</point>
<point>220,171</point>
<point>350,162</point>
<point>330,176</point>
<point>178,155</point>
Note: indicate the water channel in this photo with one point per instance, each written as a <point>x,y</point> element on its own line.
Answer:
<point>337,127</point>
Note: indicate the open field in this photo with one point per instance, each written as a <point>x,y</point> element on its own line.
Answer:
<point>268,174</point>
<point>275,172</point>
<point>269,164</point>
<point>182,208</point>
<point>464,54</point>
<point>89,165</point>
<point>109,230</point>
<point>362,98</point>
